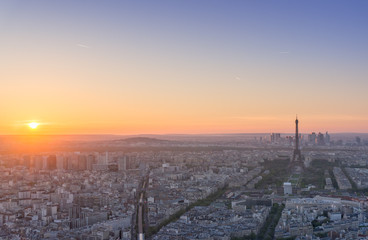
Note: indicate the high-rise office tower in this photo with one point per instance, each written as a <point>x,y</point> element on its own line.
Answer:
<point>82,162</point>
<point>90,161</point>
<point>275,137</point>
<point>327,138</point>
<point>312,138</point>
<point>51,162</point>
<point>320,139</point>
<point>122,163</point>
<point>60,163</point>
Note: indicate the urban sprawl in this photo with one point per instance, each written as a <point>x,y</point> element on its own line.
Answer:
<point>155,189</point>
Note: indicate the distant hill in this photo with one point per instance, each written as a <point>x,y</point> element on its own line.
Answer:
<point>142,140</point>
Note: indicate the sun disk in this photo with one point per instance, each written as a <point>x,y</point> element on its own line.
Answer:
<point>33,125</point>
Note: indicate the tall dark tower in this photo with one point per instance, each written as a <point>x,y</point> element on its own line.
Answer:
<point>297,156</point>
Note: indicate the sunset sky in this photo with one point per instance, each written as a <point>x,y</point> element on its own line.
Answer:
<point>139,67</point>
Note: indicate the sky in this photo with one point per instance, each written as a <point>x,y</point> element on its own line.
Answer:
<point>159,67</point>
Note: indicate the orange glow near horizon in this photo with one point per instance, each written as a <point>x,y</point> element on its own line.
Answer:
<point>125,125</point>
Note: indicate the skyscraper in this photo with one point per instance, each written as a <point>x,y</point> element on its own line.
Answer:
<point>297,155</point>
<point>122,163</point>
<point>320,139</point>
<point>327,138</point>
<point>275,137</point>
<point>51,162</point>
<point>90,161</point>
<point>312,138</point>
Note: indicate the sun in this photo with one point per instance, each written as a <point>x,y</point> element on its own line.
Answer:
<point>33,125</point>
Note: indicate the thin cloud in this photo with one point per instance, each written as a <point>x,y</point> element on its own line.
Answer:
<point>83,45</point>
<point>256,118</point>
<point>26,122</point>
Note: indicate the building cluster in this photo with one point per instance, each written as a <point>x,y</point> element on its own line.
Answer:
<point>341,179</point>
<point>359,176</point>
<point>353,158</point>
<point>319,139</point>
<point>311,139</point>
<point>174,187</point>
<point>328,181</point>
<point>92,161</point>
<point>41,200</point>
<point>223,219</point>
<point>308,217</point>
<point>74,194</point>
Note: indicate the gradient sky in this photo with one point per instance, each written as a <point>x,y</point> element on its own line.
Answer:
<point>130,67</point>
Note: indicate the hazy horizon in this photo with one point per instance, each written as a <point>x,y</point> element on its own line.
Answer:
<point>184,134</point>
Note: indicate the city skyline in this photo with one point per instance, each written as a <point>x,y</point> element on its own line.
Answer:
<point>182,67</point>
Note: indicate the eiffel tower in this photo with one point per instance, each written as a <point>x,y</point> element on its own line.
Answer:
<point>297,155</point>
